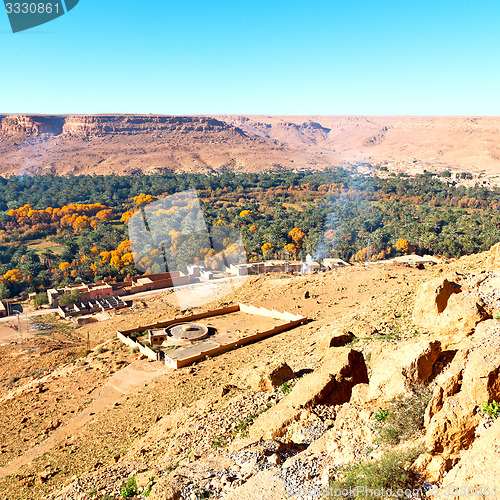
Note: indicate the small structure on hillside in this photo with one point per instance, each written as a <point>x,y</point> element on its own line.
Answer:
<point>335,263</point>
<point>270,266</point>
<point>182,341</point>
<point>83,307</point>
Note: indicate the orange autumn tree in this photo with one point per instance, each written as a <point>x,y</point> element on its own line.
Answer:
<point>105,215</point>
<point>64,266</point>
<point>81,222</point>
<point>291,249</point>
<point>298,236</point>
<point>402,245</point>
<point>12,276</point>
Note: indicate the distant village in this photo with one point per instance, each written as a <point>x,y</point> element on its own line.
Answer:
<point>102,296</point>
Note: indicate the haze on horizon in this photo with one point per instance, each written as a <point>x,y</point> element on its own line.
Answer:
<point>274,58</point>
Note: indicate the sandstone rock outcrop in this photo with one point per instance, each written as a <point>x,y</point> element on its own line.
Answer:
<point>453,415</point>
<point>331,337</point>
<point>493,260</point>
<point>396,367</point>
<point>331,383</point>
<point>443,309</point>
<point>270,376</point>
<point>479,467</point>
<point>24,125</point>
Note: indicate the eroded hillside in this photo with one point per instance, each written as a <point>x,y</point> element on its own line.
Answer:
<point>123,144</point>
<point>278,418</point>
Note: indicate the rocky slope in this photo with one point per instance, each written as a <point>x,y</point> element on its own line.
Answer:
<point>279,419</point>
<point>129,143</point>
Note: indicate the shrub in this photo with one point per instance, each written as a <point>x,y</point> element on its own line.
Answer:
<point>405,416</point>
<point>492,409</point>
<point>82,353</point>
<point>389,472</point>
<point>380,415</point>
<point>41,299</point>
<point>129,488</point>
<point>285,388</point>
<point>219,441</point>
<point>68,299</point>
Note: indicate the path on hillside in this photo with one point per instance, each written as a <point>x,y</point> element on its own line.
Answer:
<point>122,382</point>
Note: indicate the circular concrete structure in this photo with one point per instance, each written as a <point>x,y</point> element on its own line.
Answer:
<point>186,332</point>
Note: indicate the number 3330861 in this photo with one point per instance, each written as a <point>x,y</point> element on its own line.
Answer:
<point>32,8</point>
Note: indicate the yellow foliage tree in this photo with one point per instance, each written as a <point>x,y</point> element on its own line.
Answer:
<point>105,215</point>
<point>124,247</point>
<point>176,238</point>
<point>64,266</point>
<point>143,199</point>
<point>126,216</point>
<point>246,213</point>
<point>12,276</point>
<point>402,245</point>
<point>128,259</point>
<point>298,236</point>
<point>291,248</point>
<point>81,222</point>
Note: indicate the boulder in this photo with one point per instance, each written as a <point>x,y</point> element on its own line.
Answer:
<point>331,337</point>
<point>452,428</point>
<point>396,367</point>
<point>351,434</point>
<point>443,309</point>
<point>165,489</point>
<point>481,377</point>
<point>452,416</point>
<point>485,329</point>
<point>430,467</point>
<point>271,376</point>
<point>447,384</point>
<point>479,466</point>
<point>361,329</point>
<point>432,298</point>
<point>341,369</point>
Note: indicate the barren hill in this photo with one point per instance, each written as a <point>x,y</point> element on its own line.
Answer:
<point>125,144</point>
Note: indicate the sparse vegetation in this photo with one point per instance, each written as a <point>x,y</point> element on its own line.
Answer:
<point>388,472</point>
<point>129,488</point>
<point>492,409</point>
<point>171,467</point>
<point>404,416</point>
<point>286,388</point>
<point>380,415</point>
<point>219,441</point>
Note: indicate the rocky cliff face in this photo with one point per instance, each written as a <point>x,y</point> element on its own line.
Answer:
<point>85,125</point>
<point>123,144</point>
<point>19,125</point>
<point>94,125</point>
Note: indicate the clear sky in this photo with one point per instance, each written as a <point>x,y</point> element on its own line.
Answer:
<point>381,57</point>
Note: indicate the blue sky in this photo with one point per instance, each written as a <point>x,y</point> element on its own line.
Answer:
<point>259,57</point>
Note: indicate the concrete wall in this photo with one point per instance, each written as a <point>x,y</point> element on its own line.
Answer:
<point>291,321</point>
<point>184,319</point>
<point>218,349</point>
<point>143,349</point>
